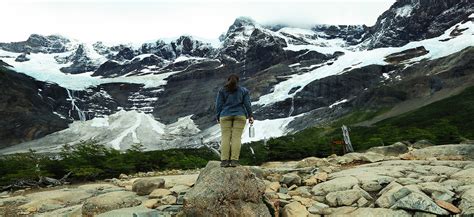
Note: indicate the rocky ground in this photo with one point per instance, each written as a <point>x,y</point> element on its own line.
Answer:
<point>396,180</point>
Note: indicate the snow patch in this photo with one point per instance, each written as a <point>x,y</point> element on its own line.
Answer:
<point>338,102</point>
<point>404,11</point>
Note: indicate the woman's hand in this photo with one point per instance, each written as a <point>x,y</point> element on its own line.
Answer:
<point>251,120</point>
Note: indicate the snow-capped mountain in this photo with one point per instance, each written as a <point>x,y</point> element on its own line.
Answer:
<point>162,94</point>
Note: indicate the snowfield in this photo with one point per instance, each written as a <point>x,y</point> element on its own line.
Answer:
<point>353,58</point>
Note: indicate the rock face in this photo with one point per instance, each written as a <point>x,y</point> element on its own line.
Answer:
<point>25,108</point>
<point>226,191</point>
<point>38,43</point>
<point>413,20</point>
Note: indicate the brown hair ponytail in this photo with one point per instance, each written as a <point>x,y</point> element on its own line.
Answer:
<point>231,84</point>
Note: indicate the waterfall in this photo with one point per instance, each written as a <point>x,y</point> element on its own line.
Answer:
<point>292,109</point>
<point>81,114</point>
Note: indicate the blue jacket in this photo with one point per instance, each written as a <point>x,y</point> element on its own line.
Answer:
<point>233,103</point>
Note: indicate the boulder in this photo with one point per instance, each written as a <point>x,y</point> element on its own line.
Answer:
<point>445,152</point>
<point>467,202</point>
<point>321,176</point>
<point>137,211</point>
<point>395,149</point>
<point>372,157</point>
<point>272,187</point>
<point>313,162</point>
<point>419,201</point>
<point>387,195</point>
<point>319,208</point>
<point>159,193</point>
<point>367,212</point>
<point>109,201</point>
<point>146,185</point>
<point>179,188</point>
<point>167,200</point>
<point>291,179</point>
<point>337,184</point>
<point>294,209</point>
<point>465,176</point>
<point>226,191</point>
<point>151,203</point>
<point>437,191</point>
<point>422,144</point>
<point>347,197</point>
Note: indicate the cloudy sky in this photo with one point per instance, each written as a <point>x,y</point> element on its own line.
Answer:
<point>142,20</point>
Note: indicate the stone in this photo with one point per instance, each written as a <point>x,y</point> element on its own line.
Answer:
<point>466,176</point>
<point>313,162</point>
<point>362,202</point>
<point>294,209</point>
<point>284,196</point>
<point>422,144</point>
<point>371,186</point>
<point>467,201</point>
<point>123,176</point>
<point>159,193</point>
<point>169,199</point>
<point>146,185</point>
<point>271,186</point>
<point>408,181</point>
<point>367,212</point>
<point>395,149</point>
<point>291,179</point>
<point>445,152</point>
<point>319,208</point>
<point>179,188</point>
<point>310,181</point>
<point>307,202</point>
<point>151,203</point>
<point>386,196</point>
<point>75,210</point>
<point>136,211</point>
<point>448,206</point>
<point>232,191</point>
<point>346,198</point>
<point>109,201</point>
<point>372,157</point>
<point>337,184</point>
<point>321,176</point>
<point>420,202</point>
<point>292,187</point>
<point>437,191</point>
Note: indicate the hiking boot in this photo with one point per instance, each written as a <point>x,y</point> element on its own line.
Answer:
<point>225,163</point>
<point>234,163</point>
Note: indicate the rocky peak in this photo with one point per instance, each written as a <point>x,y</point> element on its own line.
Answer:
<point>187,45</point>
<point>413,20</point>
<point>38,44</point>
<point>240,23</point>
<point>350,33</point>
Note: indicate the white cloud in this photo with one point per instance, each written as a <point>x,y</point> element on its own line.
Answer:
<point>127,20</point>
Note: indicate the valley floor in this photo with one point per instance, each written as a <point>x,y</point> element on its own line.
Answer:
<point>394,180</point>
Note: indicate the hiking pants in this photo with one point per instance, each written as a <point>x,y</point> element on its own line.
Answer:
<point>231,134</point>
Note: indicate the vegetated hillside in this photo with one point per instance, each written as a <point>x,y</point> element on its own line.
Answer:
<point>450,120</point>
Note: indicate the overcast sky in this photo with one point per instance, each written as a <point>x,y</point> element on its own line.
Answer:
<point>132,20</point>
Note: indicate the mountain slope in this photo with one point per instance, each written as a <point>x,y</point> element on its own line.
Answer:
<point>297,77</point>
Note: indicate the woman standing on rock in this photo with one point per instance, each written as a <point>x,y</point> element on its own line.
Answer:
<point>233,108</point>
